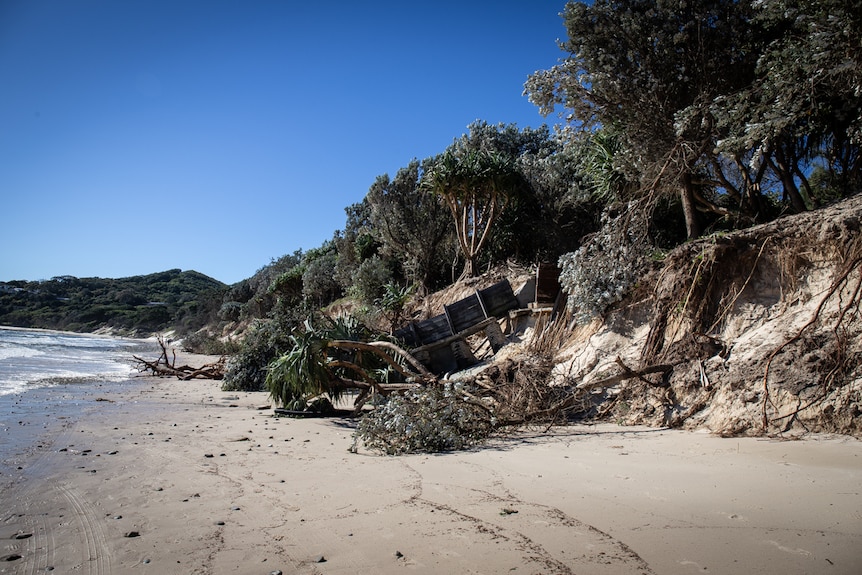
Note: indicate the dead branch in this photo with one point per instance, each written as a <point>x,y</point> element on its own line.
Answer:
<point>377,347</point>
<point>166,366</point>
<point>626,374</point>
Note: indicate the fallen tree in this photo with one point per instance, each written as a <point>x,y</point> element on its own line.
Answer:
<point>166,366</point>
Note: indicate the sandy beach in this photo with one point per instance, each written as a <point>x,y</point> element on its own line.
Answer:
<point>180,477</point>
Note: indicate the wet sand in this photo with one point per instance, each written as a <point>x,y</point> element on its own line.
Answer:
<point>179,477</point>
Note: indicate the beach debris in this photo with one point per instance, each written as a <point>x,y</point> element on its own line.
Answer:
<point>12,557</point>
<point>166,366</point>
<point>23,535</point>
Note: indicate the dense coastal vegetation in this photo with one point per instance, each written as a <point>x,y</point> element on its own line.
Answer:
<point>174,299</point>
<point>682,121</point>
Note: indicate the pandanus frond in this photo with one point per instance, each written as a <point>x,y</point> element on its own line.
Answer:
<point>302,372</point>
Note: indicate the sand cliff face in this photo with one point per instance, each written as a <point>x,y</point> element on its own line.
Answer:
<point>761,327</point>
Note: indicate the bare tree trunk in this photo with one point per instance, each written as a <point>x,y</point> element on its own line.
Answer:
<point>782,167</point>
<point>693,227</point>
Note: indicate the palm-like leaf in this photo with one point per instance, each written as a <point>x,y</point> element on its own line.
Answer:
<point>302,372</point>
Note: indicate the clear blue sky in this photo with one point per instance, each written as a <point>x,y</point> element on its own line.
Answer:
<point>138,136</point>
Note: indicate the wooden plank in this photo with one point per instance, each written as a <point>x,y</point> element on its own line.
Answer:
<point>547,283</point>
<point>465,313</point>
<point>449,339</point>
<point>498,299</point>
<point>433,329</point>
<point>408,335</point>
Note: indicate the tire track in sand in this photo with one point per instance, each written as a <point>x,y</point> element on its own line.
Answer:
<point>95,545</point>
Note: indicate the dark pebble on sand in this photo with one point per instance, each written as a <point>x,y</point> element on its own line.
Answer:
<point>23,535</point>
<point>399,554</point>
<point>146,561</point>
<point>320,559</point>
<point>219,523</point>
<point>208,455</point>
<point>13,557</point>
<point>276,572</point>
<point>234,508</point>
<point>132,534</point>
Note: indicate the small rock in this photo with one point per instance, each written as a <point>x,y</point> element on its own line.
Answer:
<point>219,523</point>
<point>22,535</point>
<point>145,561</point>
<point>113,452</point>
<point>208,455</point>
<point>132,534</point>
<point>234,508</point>
<point>118,516</point>
<point>276,572</point>
<point>399,554</point>
<point>319,559</point>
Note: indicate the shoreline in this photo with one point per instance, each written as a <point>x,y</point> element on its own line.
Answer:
<point>181,477</point>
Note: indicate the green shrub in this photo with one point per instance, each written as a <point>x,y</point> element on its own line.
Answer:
<point>426,420</point>
<point>207,344</point>
<point>369,279</point>
<point>246,371</point>
<point>609,263</point>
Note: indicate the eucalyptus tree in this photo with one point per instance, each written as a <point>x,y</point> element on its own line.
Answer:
<point>413,225</point>
<point>649,69</point>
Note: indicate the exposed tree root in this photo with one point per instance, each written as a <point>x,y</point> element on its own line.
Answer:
<point>843,280</point>
<point>167,367</point>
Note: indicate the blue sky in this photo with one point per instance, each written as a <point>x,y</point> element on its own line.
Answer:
<point>140,136</point>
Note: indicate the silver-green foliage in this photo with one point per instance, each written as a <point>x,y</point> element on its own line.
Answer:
<point>426,420</point>
<point>608,265</point>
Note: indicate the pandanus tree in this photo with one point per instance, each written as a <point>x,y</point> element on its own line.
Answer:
<point>476,185</point>
<point>335,357</point>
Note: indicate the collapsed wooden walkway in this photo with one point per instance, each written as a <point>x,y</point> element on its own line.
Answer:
<point>440,342</point>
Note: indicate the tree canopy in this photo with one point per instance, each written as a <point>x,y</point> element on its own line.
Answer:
<point>727,104</point>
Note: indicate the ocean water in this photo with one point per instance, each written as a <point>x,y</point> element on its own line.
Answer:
<point>32,359</point>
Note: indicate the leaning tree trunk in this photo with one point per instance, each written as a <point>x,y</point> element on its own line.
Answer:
<point>693,227</point>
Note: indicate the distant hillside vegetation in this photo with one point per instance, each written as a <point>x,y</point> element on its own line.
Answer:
<point>173,299</point>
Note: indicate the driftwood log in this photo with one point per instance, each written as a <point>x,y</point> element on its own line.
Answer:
<point>166,366</point>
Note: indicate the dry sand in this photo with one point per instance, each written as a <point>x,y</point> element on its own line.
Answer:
<point>180,477</point>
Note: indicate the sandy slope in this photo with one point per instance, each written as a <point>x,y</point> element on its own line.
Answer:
<point>286,494</point>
